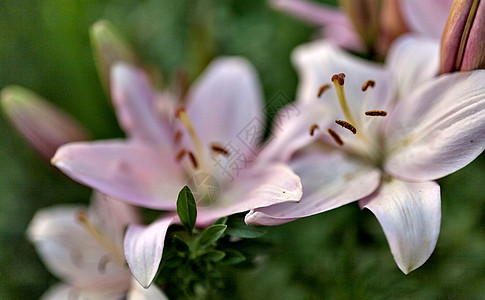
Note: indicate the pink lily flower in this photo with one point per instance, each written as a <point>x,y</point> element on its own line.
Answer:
<point>83,247</point>
<point>210,145</point>
<point>379,135</point>
<point>424,17</point>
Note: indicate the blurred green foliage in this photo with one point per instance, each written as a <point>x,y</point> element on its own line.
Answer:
<point>44,46</point>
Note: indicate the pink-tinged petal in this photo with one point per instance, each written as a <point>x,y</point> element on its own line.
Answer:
<point>329,180</point>
<point>291,129</point>
<point>143,249</point>
<point>225,102</point>
<point>72,254</point>
<point>112,216</point>
<point>311,12</point>
<point>64,291</point>
<point>413,59</point>
<point>438,129</point>
<point>318,61</point>
<point>343,35</point>
<point>134,99</point>
<point>410,215</point>
<point>427,17</point>
<point>141,175</point>
<point>264,186</point>
<point>137,292</point>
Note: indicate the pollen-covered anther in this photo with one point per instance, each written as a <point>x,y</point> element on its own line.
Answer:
<point>340,78</point>
<point>336,137</point>
<point>179,110</point>
<point>376,113</point>
<point>219,149</point>
<point>367,84</point>
<point>180,155</point>
<point>177,137</point>
<point>322,89</point>
<point>347,126</point>
<point>312,129</point>
<point>82,216</point>
<point>193,160</point>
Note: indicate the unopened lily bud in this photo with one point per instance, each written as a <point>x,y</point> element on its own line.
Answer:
<point>364,15</point>
<point>43,125</point>
<point>463,39</point>
<point>109,47</point>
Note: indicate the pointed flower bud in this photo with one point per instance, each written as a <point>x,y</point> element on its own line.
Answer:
<point>109,47</point>
<point>463,39</point>
<point>43,125</point>
<point>364,15</point>
<point>377,22</point>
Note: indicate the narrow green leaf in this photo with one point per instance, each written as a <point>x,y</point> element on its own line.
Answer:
<point>211,234</point>
<point>179,244</point>
<point>214,256</point>
<point>233,257</point>
<point>186,208</point>
<point>222,220</point>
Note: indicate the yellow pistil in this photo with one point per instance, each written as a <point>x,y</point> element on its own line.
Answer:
<point>181,114</point>
<point>104,241</point>
<point>338,82</point>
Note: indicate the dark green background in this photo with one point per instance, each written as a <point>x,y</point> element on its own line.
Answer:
<point>44,46</point>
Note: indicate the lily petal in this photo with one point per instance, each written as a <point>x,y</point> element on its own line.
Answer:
<point>64,291</point>
<point>225,101</point>
<point>410,215</point>
<point>292,133</point>
<point>112,215</point>
<point>264,186</point>
<point>137,292</point>
<point>337,27</point>
<point>139,174</point>
<point>318,61</point>
<point>143,249</point>
<point>134,99</point>
<point>413,60</point>
<point>427,17</point>
<point>438,129</point>
<point>329,180</point>
<point>72,254</point>
<point>317,14</point>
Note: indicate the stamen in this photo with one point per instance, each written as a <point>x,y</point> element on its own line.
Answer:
<point>181,114</point>
<point>374,113</point>
<point>82,217</point>
<point>347,125</point>
<point>180,155</point>
<point>367,84</point>
<point>219,149</point>
<point>177,137</point>
<point>339,77</point>
<point>312,129</point>
<point>322,89</point>
<point>102,264</point>
<point>336,137</point>
<point>338,82</point>
<point>193,160</point>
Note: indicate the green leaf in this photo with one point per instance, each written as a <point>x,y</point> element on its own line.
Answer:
<point>238,228</point>
<point>186,208</point>
<point>179,244</point>
<point>222,220</point>
<point>211,234</point>
<point>214,256</point>
<point>233,257</point>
